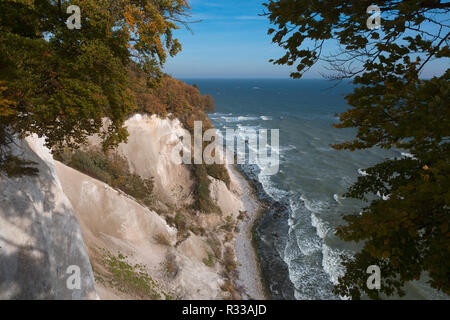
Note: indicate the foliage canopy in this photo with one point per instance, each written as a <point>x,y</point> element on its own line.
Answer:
<point>408,234</point>
<point>61,83</point>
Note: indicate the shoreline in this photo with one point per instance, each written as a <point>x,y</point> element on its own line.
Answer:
<point>250,281</point>
<point>271,222</point>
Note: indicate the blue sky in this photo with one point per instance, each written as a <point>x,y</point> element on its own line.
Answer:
<point>231,41</point>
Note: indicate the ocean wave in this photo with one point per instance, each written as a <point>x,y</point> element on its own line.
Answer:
<point>408,155</point>
<point>301,233</point>
<point>295,204</point>
<point>303,252</point>
<point>309,279</point>
<point>266,118</point>
<point>239,118</point>
<point>248,129</point>
<point>338,198</point>
<point>242,132</point>
<point>362,172</point>
<point>322,227</point>
<point>332,262</point>
<point>308,246</point>
<point>221,114</point>
<point>314,205</point>
<point>270,188</point>
<point>217,115</point>
<point>285,148</point>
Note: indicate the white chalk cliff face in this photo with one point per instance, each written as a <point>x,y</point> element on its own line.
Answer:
<point>113,221</point>
<point>40,237</point>
<point>149,153</point>
<point>63,217</point>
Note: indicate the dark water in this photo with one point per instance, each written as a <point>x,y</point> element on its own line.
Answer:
<point>298,249</point>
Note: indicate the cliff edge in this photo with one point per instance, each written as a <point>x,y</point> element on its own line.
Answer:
<point>164,248</point>
<point>40,238</point>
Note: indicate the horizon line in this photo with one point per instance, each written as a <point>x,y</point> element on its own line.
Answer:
<point>247,78</point>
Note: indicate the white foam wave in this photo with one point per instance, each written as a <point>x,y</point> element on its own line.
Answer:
<point>322,227</point>
<point>291,222</point>
<point>220,114</point>
<point>248,129</point>
<point>408,155</point>
<point>294,205</point>
<point>270,189</point>
<point>314,206</point>
<point>338,199</point>
<point>238,119</point>
<point>309,279</point>
<point>308,246</point>
<point>332,262</point>
<point>362,172</point>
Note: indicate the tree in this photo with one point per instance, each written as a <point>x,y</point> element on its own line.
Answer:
<point>406,235</point>
<point>60,83</point>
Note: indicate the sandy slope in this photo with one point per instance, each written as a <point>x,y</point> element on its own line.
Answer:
<point>111,220</point>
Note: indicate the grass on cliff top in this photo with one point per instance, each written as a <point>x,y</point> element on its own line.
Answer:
<point>112,170</point>
<point>130,279</point>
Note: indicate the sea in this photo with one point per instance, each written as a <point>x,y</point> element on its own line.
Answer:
<point>299,252</point>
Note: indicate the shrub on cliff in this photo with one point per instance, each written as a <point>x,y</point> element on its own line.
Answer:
<point>113,170</point>
<point>219,172</point>
<point>203,201</point>
<point>229,260</point>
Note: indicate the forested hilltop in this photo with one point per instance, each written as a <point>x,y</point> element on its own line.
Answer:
<point>61,83</point>
<point>125,199</point>
<point>170,96</point>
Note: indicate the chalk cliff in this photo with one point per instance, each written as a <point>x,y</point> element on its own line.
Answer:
<point>40,237</point>
<point>63,217</point>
